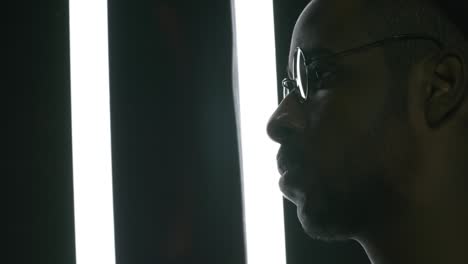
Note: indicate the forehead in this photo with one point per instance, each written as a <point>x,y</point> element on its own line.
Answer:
<point>333,25</point>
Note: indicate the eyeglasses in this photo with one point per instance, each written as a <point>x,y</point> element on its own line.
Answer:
<point>300,75</point>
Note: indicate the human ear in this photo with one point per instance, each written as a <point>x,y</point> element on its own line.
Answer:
<point>447,87</point>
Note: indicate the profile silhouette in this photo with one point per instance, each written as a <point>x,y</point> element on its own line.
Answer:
<point>373,127</point>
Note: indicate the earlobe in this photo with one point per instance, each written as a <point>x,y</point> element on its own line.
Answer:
<point>446,89</point>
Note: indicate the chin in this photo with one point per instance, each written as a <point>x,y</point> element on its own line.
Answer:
<point>326,222</point>
<point>291,193</point>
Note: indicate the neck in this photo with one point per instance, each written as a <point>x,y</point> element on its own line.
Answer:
<point>425,234</point>
<point>416,246</point>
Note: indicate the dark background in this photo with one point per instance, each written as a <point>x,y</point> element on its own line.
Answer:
<point>175,157</point>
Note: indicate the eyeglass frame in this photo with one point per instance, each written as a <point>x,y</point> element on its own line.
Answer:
<point>304,94</point>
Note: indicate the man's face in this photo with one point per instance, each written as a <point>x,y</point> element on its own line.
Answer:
<point>339,147</point>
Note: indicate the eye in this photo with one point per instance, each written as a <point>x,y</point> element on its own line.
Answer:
<point>320,75</point>
<point>317,76</point>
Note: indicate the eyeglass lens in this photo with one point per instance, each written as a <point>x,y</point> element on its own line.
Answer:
<point>300,78</point>
<point>301,73</point>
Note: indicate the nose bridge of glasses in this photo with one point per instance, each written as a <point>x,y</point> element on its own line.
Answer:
<point>288,86</point>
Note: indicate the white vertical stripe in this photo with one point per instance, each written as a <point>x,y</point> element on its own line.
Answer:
<point>92,168</point>
<point>257,99</point>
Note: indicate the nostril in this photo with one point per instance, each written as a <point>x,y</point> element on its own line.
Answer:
<point>281,131</point>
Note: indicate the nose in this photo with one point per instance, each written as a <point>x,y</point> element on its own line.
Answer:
<point>288,120</point>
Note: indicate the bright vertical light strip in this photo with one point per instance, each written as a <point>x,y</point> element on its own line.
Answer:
<point>256,101</point>
<point>92,169</point>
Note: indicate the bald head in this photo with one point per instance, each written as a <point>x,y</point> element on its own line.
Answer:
<point>381,19</point>
<point>361,21</point>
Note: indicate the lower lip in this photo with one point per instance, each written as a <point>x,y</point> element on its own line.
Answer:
<point>287,175</point>
<point>291,169</point>
<point>282,179</point>
<point>287,187</point>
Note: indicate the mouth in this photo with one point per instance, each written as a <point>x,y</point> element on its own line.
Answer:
<point>288,159</point>
<point>289,182</point>
<point>290,166</point>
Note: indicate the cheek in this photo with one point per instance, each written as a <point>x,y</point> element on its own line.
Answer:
<point>350,103</point>
<point>400,152</point>
<point>335,116</point>
<point>343,133</point>
<point>327,138</point>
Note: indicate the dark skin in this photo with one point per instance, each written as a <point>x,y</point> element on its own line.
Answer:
<point>357,170</point>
